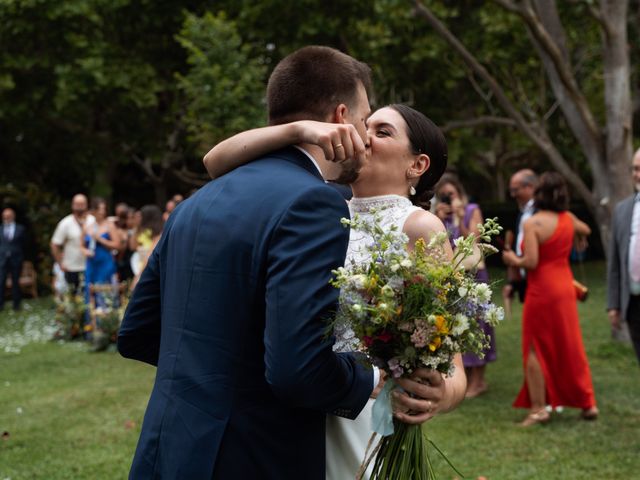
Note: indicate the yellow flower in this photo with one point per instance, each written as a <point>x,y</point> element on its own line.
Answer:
<point>441,325</point>
<point>435,344</point>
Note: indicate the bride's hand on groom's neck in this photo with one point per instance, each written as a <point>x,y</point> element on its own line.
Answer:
<point>338,141</point>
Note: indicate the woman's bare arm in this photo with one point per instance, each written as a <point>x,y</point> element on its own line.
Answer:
<point>338,142</point>
<point>529,258</point>
<point>580,228</point>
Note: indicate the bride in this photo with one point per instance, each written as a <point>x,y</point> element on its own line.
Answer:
<point>404,156</point>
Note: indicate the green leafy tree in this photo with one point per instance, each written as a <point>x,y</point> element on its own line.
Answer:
<point>224,86</point>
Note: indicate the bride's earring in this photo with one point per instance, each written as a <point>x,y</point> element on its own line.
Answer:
<point>412,190</point>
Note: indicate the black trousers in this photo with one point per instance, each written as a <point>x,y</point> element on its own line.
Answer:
<point>73,280</point>
<point>11,266</point>
<point>633,321</point>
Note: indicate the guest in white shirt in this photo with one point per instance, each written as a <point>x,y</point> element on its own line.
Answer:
<point>623,266</point>
<point>66,243</point>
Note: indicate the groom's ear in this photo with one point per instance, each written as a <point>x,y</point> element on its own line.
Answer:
<point>340,114</point>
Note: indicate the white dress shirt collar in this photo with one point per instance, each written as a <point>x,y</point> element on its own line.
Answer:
<point>310,158</point>
<point>528,207</point>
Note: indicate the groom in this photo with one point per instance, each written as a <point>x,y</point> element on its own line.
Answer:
<point>234,302</point>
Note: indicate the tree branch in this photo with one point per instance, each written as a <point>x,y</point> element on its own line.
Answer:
<point>146,166</point>
<point>596,13</point>
<point>477,122</point>
<point>535,133</point>
<point>189,177</point>
<point>560,62</point>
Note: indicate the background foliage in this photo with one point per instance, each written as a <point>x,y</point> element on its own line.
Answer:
<point>121,98</point>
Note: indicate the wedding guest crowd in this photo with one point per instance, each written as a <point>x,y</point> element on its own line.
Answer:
<point>91,248</point>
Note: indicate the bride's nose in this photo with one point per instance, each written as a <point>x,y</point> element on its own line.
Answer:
<point>367,143</point>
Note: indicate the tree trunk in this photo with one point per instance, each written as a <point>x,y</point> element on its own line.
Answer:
<point>615,184</point>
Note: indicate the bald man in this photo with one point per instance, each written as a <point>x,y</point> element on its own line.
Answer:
<point>67,241</point>
<point>623,266</point>
<point>521,188</point>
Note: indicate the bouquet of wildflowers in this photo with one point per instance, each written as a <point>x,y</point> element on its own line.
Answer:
<point>409,310</point>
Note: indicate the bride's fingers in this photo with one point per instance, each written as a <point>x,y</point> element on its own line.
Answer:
<point>414,419</point>
<point>347,142</point>
<point>404,403</point>
<point>324,139</point>
<point>359,150</point>
<point>422,388</point>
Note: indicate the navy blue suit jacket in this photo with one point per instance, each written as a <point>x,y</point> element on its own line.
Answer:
<point>12,251</point>
<point>232,309</point>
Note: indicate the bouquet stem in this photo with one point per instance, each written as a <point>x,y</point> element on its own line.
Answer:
<point>403,455</point>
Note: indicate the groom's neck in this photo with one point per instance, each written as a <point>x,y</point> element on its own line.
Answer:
<point>328,169</point>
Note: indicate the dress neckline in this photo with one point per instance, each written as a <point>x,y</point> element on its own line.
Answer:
<point>365,204</point>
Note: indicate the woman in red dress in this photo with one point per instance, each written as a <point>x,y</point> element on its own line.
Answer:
<point>555,362</point>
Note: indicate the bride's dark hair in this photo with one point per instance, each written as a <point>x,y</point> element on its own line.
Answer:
<point>424,137</point>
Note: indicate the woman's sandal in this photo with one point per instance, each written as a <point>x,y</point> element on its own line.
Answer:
<point>590,413</point>
<point>541,416</point>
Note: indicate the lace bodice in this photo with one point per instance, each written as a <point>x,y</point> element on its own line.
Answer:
<point>393,210</point>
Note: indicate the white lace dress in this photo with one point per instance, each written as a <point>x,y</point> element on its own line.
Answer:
<point>347,439</point>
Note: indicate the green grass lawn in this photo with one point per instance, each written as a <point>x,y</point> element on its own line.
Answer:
<point>71,414</point>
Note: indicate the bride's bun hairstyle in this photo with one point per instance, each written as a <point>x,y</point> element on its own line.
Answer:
<point>311,82</point>
<point>424,137</point>
<point>551,193</point>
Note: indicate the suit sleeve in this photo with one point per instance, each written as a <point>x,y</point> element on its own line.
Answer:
<point>613,265</point>
<point>139,333</point>
<point>301,367</point>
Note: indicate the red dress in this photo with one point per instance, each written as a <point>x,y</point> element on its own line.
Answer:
<point>551,328</point>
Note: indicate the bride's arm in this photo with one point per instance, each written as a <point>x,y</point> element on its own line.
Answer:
<point>423,224</point>
<point>338,141</point>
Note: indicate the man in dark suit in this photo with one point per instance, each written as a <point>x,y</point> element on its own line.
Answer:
<point>623,267</point>
<point>11,255</point>
<point>233,304</point>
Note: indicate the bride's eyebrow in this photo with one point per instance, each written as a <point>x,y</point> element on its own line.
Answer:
<point>386,125</point>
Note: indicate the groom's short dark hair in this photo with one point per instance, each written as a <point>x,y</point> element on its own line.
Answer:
<point>311,82</point>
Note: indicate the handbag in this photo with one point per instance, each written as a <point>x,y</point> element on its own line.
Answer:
<point>582,291</point>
